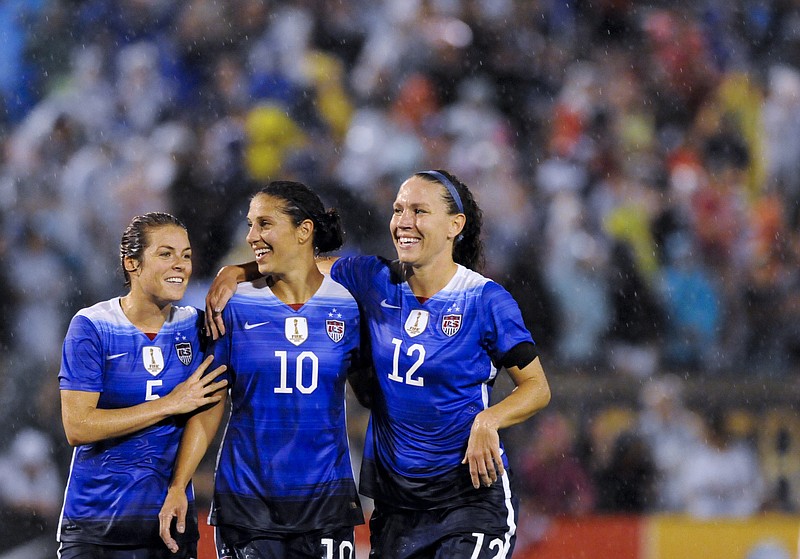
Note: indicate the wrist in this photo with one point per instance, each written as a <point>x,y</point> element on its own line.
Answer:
<point>177,485</point>
<point>487,419</point>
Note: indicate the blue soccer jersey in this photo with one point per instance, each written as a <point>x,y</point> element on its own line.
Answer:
<point>435,362</point>
<point>116,486</point>
<point>284,463</point>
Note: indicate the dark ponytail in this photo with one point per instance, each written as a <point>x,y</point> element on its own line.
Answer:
<point>303,203</point>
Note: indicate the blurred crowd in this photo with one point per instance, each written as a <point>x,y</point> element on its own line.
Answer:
<point>661,454</point>
<point>637,162</point>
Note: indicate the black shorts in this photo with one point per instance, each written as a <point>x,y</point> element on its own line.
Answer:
<point>334,543</point>
<point>481,529</point>
<point>95,551</point>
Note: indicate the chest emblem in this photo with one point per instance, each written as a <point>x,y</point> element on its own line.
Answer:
<point>416,322</point>
<point>296,329</point>
<point>335,329</point>
<point>153,359</point>
<point>184,351</point>
<point>451,323</point>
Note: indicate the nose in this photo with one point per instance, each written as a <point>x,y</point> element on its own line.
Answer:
<point>405,219</point>
<point>181,263</point>
<point>252,236</point>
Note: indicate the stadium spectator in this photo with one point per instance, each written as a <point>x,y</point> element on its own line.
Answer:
<point>669,429</point>
<point>720,476</point>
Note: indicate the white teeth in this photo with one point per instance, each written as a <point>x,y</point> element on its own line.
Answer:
<point>259,252</point>
<point>405,241</point>
<point>174,280</point>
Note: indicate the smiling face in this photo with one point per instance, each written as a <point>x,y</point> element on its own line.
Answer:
<point>163,272</point>
<point>274,237</point>
<point>422,229</point>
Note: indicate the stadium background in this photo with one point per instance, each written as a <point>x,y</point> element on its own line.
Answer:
<point>639,168</point>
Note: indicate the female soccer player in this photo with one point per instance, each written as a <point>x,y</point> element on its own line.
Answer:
<point>439,331</point>
<point>284,483</point>
<point>127,386</point>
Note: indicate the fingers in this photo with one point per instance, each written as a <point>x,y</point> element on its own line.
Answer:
<point>215,326</point>
<point>212,388</point>
<point>484,468</point>
<point>215,392</point>
<point>212,376</point>
<point>164,524</point>
<point>207,379</point>
<point>219,324</point>
<point>216,299</point>
<point>473,472</point>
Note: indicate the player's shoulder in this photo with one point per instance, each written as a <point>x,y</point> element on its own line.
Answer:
<point>184,314</point>
<point>258,289</point>
<point>108,311</point>
<point>185,311</point>
<point>362,264</point>
<point>332,288</point>
<point>470,280</point>
<point>475,284</point>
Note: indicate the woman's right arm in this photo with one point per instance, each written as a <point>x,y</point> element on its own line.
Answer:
<point>197,437</point>
<point>85,423</point>
<point>220,292</point>
<point>224,286</point>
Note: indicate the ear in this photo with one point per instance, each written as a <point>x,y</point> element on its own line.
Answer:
<point>305,231</point>
<point>131,264</point>
<point>457,225</point>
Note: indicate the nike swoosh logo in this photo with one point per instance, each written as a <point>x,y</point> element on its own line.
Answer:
<point>386,305</point>
<point>248,326</point>
<point>115,356</point>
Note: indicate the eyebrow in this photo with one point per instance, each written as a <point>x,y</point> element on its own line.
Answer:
<point>170,247</point>
<point>413,204</point>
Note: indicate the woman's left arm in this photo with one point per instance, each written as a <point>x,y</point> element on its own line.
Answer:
<point>532,393</point>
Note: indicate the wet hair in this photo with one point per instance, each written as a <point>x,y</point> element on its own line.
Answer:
<point>467,247</point>
<point>301,203</point>
<point>136,239</point>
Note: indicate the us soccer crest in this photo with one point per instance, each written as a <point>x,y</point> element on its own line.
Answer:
<point>416,322</point>
<point>296,329</point>
<point>153,359</point>
<point>184,351</point>
<point>451,323</point>
<point>335,329</point>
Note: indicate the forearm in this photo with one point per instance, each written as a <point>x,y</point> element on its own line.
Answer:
<point>241,272</point>
<point>531,395</point>
<point>85,426</point>
<point>197,437</point>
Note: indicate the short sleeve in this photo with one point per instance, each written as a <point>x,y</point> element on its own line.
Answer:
<point>504,326</point>
<point>357,273</point>
<point>82,357</point>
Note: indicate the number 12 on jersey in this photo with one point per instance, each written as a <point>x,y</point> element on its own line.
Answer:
<point>417,350</point>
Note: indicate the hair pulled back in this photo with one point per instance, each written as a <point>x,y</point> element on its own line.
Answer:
<point>301,203</point>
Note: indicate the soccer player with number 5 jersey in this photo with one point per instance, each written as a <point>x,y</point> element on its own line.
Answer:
<point>132,371</point>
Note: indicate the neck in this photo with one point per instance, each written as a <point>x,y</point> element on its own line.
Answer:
<point>147,315</point>
<point>297,287</point>
<point>427,281</point>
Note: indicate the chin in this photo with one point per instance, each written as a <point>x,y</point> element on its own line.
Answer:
<point>174,298</point>
<point>264,269</point>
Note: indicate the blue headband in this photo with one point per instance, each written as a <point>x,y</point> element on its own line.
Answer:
<point>448,184</point>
